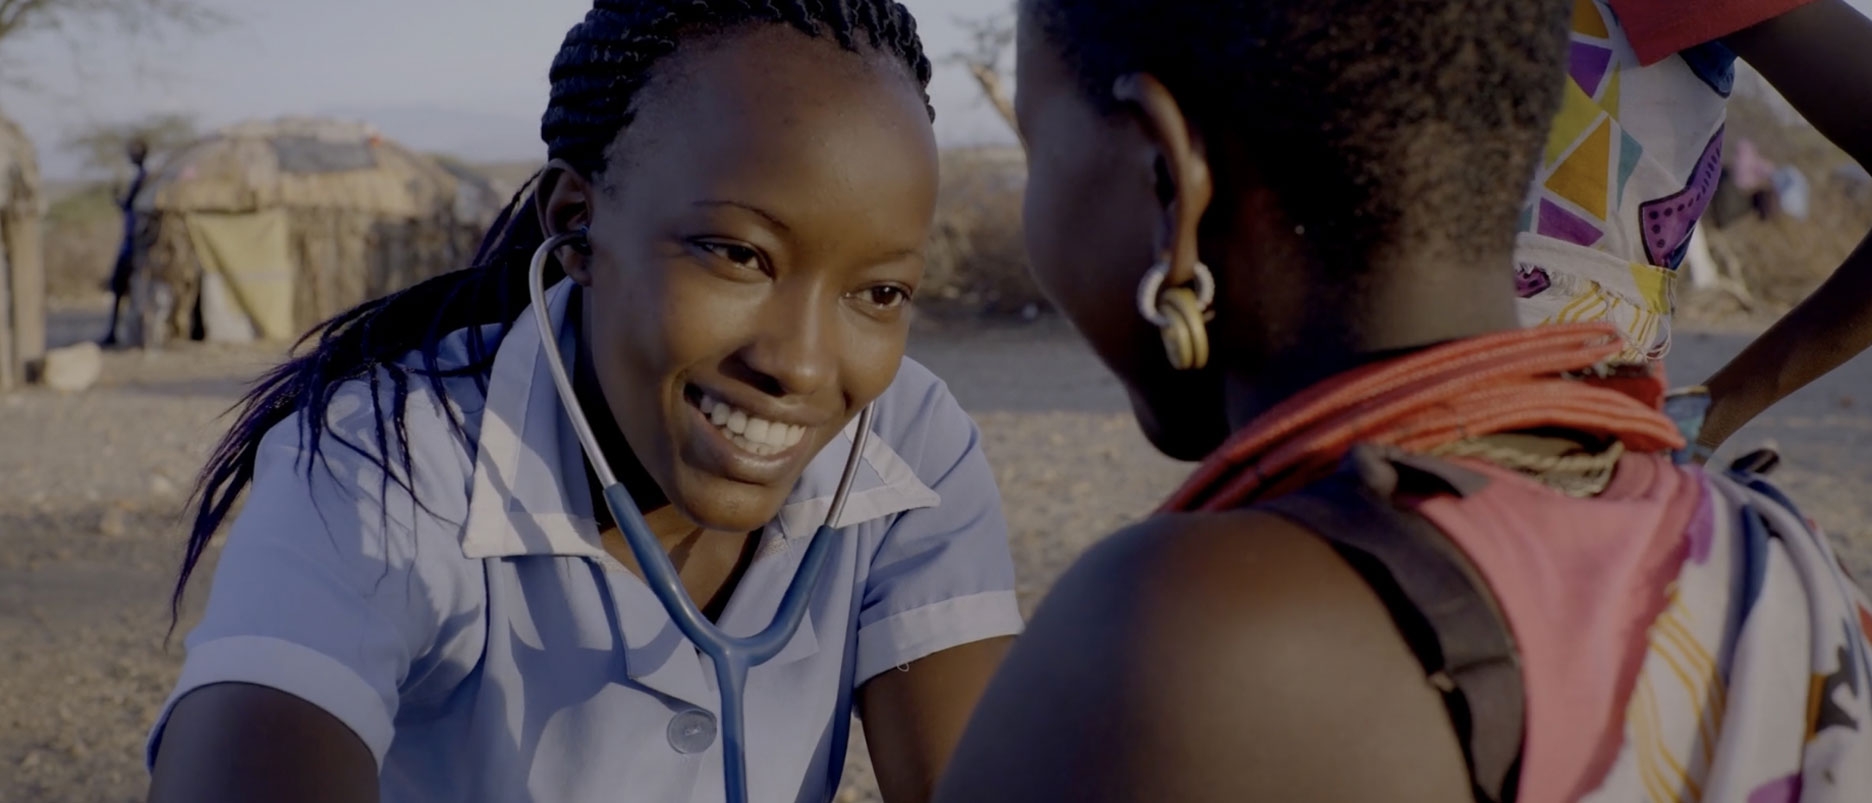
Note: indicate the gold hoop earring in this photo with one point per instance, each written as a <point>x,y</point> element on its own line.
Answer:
<point>1181,313</point>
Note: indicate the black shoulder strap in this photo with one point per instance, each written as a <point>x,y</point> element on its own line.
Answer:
<point>1439,606</point>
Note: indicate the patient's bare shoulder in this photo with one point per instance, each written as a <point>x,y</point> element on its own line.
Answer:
<point>1210,657</point>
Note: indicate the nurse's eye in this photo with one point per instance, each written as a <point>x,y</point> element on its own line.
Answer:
<point>740,256</point>
<point>885,296</point>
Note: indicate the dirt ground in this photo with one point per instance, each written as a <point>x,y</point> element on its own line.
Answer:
<point>91,484</point>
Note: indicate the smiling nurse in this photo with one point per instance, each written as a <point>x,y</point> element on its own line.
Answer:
<point>420,599</point>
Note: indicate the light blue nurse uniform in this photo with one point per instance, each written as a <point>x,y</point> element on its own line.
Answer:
<point>485,646</point>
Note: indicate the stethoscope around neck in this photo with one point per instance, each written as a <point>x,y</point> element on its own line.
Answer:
<point>731,656</point>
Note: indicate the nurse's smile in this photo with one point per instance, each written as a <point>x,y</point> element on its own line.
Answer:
<point>755,443</point>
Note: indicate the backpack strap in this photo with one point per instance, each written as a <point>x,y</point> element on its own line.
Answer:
<point>1444,612</point>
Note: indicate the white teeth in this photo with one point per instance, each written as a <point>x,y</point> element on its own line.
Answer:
<point>755,434</point>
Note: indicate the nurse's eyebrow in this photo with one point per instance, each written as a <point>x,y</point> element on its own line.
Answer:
<point>755,209</point>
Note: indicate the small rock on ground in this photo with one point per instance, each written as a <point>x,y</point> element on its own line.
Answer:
<point>72,369</point>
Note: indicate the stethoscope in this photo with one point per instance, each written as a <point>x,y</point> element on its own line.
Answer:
<point>732,656</point>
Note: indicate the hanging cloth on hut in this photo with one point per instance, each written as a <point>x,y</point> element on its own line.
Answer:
<point>250,255</point>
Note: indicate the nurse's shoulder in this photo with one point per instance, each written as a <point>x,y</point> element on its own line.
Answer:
<point>337,597</point>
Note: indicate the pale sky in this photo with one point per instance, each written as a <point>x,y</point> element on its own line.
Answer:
<point>431,69</point>
<point>467,76</point>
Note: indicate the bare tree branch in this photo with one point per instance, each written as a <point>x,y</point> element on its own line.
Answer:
<point>990,39</point>
<point>102,147</point>
<point>136,17</point>
<point>15,15</point>
<point>996,90</point>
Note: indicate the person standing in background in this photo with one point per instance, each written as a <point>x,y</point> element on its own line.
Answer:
<point>119,286</point>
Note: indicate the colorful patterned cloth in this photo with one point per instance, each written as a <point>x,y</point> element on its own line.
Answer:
<point>1755,686</point>
<point>1630,165</point>
<point>1684,636</point>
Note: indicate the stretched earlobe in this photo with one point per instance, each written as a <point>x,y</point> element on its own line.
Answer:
<point>1181,313</point>
<point>1179,170</point>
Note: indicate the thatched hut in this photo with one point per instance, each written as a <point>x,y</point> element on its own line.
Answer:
<point>22,265</point>
<point>266,228</point>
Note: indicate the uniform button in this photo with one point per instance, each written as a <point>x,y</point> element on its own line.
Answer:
<point>692,731</point>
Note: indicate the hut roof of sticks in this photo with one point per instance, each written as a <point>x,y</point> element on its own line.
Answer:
<point>19,169</point>
<point>303,163</point>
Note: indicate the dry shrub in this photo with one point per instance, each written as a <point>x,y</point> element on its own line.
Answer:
<point>977,261</point>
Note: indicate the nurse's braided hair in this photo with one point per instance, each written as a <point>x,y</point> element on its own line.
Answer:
<point>604,61</point>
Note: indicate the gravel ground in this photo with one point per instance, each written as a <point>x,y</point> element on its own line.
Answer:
<point>91,484</point>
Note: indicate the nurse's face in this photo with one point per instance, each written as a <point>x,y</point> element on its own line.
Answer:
<point>755,243</point>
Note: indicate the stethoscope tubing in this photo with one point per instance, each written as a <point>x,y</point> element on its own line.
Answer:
<point>731,656</point>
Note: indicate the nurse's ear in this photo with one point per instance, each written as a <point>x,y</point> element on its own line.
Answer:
<point>565,206</point>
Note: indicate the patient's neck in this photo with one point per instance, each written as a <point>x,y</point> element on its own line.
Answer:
<point>1397,308</point>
